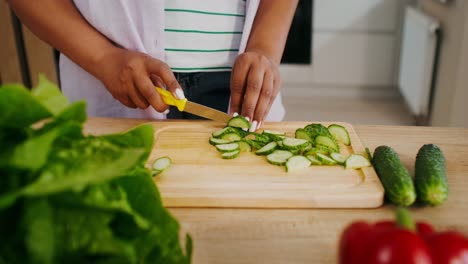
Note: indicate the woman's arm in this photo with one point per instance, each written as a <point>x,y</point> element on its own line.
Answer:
<point>126,74</point>
<point>255,76</point>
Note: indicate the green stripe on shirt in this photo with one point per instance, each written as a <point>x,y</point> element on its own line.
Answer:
<point>201,31</point>
<point>193,50</point>
<point>201,12</point>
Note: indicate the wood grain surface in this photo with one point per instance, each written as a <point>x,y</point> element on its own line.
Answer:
<point>228,235</point>
<point>199,177</point>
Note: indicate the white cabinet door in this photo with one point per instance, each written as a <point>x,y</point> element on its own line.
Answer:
<point>355,43</point>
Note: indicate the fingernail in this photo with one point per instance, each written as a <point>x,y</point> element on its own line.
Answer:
<point>179,93</point>
<point>253,126</point>
<point>260,124</point>
<point>166,111</point>
<point>235,114</point>
<point>248,119</point>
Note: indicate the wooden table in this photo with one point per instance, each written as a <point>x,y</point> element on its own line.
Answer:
<point>311,236</point>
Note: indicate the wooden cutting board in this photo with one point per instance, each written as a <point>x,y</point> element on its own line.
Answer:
<point>199,177</point>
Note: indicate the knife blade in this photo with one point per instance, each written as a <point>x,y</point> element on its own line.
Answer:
<point>193,108</point>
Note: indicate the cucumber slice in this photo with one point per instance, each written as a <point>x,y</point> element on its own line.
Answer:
<point>356,161</point>
<point>296,163</point>
<point>280,144</point>
<point>160,165</point>
<point>254,144</point>
<point>338,157</point>
<point>231,137</point>
<point>227,147</point>
<point>318,149</point>
<point>265,139</point>
<point>279,157</point>
<point>273,132</point>
<point>244,146</point>
<point>226,130</point>
<point>294,143</point>
<point>274,135</point>
<point>216,141</point>
<point>242,133</point>
<point>240,122</point>
<point>327,142</point>
<point>314,160</point>
<point>307,148</point>
<point>230,154</point>
<point>325,160</point>
<point>267,149</point>
<point>315,130</point>
<point>302,134</point>
<point>340,134</point>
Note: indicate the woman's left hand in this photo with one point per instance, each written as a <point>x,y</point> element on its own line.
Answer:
<point>255,83</point>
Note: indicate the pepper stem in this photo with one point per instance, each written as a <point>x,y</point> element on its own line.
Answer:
<point>404,219</point>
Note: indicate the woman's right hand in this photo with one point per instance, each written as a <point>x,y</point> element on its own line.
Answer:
<point>128,75</point>
<point>131,78</point>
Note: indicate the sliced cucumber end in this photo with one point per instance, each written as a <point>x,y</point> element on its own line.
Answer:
<point>267,149</point>
<point>340,133</point>
<point>227,147</point>
<point>294,143</point>
<point>279,157</point>
<point>338,157</point>
<point>356,161</point>
<point>230,154</point>
<point>325,160</point>
<point>240,122</point>
<point>327,142</point>
<point>160,165</point>
<point>297,163</point>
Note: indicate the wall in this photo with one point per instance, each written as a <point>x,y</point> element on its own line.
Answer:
<point>460,106</point>
<point>355,49</point>
<point>450,95</point>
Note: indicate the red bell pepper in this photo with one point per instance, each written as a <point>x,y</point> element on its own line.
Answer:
<point>401,242</point>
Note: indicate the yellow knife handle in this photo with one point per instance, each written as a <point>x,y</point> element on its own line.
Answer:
<point>169,99</point>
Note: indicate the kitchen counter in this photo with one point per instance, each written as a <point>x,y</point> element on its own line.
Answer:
<point>311,235</point>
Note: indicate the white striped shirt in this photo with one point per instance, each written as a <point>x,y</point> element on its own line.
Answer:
<point>203,35</point>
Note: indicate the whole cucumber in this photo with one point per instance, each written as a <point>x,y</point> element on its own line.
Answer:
<point>430,175</point>
<point>397,181</point>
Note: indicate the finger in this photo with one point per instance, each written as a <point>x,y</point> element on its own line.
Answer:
<point>167,76</point>
<point>148,91</point>
<point>128,102</point>
<point>122,89</point>
<point>238,81</point>
<point>158,82</point>
<point>267,95</point>
<point>252,92</point>
<point>277,86</point>
<point>137,97</point>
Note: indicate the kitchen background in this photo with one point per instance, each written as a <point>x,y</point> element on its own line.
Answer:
<point>392,62</point>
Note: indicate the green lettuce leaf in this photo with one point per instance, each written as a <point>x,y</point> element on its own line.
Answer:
<point>50,96</point>
<point>161,243</point>
<point>19,108</point>
<point>66,197</point>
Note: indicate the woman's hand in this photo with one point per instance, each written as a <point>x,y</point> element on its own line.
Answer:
<point>131,76</point>
<point>255,83</point>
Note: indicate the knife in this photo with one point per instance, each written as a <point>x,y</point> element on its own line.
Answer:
<point>193,108</point>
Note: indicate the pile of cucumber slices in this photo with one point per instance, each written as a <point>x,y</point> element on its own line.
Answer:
<point>313,144</point>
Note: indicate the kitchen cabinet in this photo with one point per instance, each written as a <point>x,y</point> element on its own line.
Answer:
<point>23,56</point>
<point>355,47</point>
